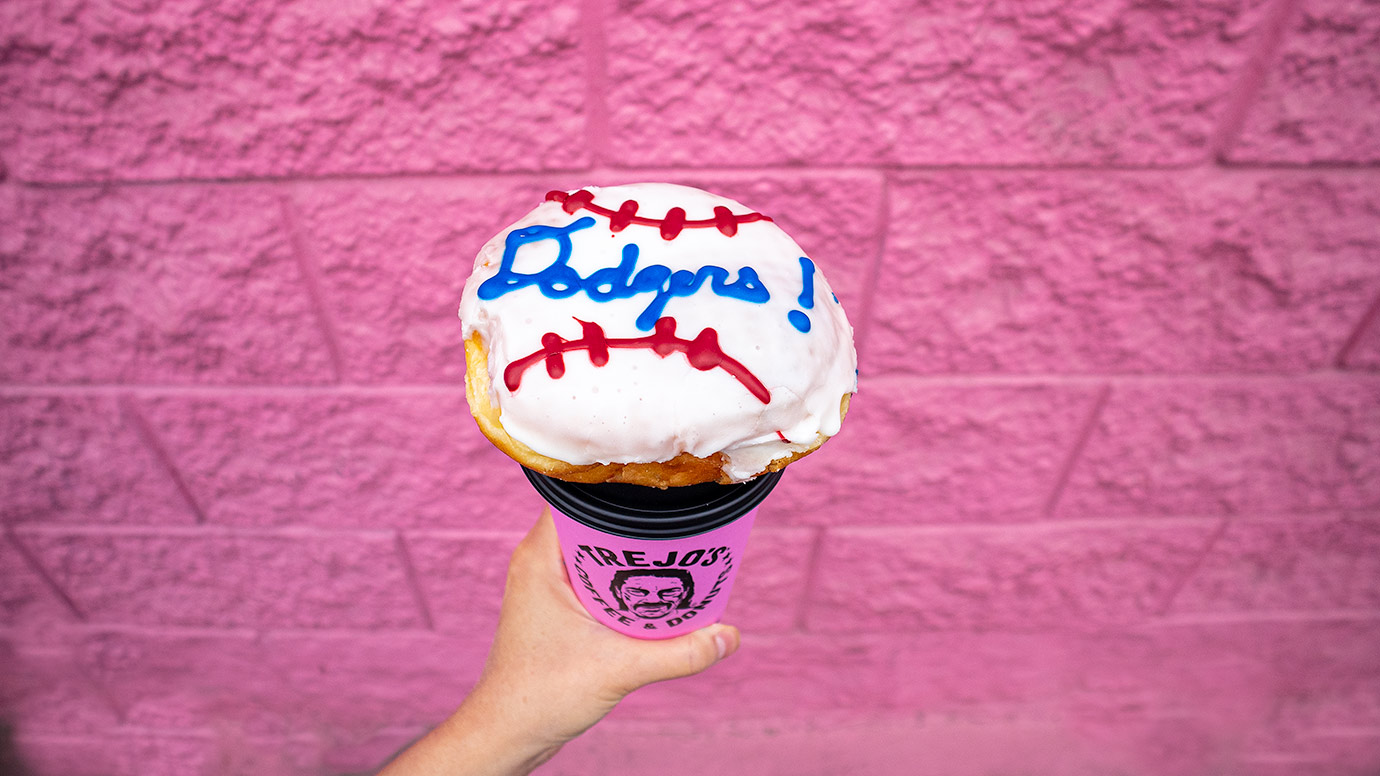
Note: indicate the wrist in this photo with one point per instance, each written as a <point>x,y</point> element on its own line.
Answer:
<point>502,729</point>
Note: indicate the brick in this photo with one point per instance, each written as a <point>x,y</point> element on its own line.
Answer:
<point>345,686</point>
<point>912,451</point>
<point>207,90</point>
<point>1364,350</point>
<point>25,599</point>
<point>1307,109</point>
<point>122,754</point>
<point>396,318</point>
<point>1027,577</point>
<point>1323,683</point>
<point>772,677</point>
<point>462,576</point>
<point>229,579</point>
<point>1275,765</point>
<point>81,459</point>
<point>836,219</point>
<point>985,674</point>
<point>404,459</point>
<point>771,581</point>
<point>712,83</point>
<point>1191,699</point>
<point>826,745</point>
<point>1269,446</point>
<point>394,257</point>
<point>188,284</point>
<point>1024,272</point>
<point>1288,564</point>
<point>44,690</point>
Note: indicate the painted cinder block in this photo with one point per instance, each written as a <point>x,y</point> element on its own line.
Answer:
<point>771,580</point>
<point>1028,577</point>
<point>44,690</point>
<point>1310,106</point>
<point>1321,684</point>
<point>1364,353</point>
<point>24,597</point>
<point>219,578</point>
<point>276,89</point>
<point>461,577</point>
<point>1135,272</point>
<point>1288,563</point>
<point>835,218</point>
<point>914,452</point>
<point>341,460</point>
<point>393,258</point>
<point>870,745</point>
<point>344,684</point>
<point>81,459</point>
<point>1230,447</point>
<point>184,284</point>
<point>123,753</point>
<point>777,676</point>
<point>710,83</point>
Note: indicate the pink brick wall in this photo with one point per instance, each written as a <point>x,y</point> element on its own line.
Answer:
<point>1109,501</point>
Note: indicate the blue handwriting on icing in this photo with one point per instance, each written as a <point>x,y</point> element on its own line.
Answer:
<point>798,319</point>
<point>559,280</point>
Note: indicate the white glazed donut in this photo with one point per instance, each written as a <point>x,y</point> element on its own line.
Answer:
<point>653,334</point>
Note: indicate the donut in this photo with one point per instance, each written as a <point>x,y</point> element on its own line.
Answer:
<point>653,334</point>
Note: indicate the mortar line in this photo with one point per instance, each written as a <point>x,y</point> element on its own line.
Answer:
<point>1254,74</point>
<point>989,379</point>
<point>536,177</point>
<point>413,579</point>
<point>146,433</point>
<point>311,281</point>
<point>229,389</point>
<point>868,298</point>
<point>1368,319</point>
<point>807,593</point>
<point>1264,616</point>
<point>1080,443</point>
<point>42,573</point>
<point>592,18</point>
<point>201,531</point>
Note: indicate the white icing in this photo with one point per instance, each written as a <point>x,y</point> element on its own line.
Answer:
<point>641,407</point>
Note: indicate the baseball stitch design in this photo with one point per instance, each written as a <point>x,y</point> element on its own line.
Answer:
<point>670,225</point>
<point>703,352</point>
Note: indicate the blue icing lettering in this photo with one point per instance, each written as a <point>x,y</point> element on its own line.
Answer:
<point>798,319</point>
<point>807,293</point>
<point>559,281</point>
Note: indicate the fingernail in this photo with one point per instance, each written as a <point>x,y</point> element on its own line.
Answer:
<point>721,644</point>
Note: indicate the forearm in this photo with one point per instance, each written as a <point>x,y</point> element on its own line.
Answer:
<point>484,737</point>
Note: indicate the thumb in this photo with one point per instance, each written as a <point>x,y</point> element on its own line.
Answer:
<point>687,655</point>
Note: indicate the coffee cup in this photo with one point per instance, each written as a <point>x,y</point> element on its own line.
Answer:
<point>648,562</point>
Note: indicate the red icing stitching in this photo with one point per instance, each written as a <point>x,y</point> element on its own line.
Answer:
<point>670,225</point>
<point>702,352</point>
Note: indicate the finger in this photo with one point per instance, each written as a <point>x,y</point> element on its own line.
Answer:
<point>540,546</point>
<point>686,655</point>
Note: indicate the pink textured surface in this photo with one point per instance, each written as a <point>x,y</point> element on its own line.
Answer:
<point>1318,98</point>
<point>1108,501</point>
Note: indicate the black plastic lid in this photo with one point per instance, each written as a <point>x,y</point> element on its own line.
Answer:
<point>639,512</point>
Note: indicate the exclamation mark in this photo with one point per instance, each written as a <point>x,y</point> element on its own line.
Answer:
<point>800,320</point>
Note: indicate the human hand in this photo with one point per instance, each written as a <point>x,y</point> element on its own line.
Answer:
<point>552,672</point>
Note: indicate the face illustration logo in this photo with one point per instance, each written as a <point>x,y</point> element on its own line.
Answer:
<point>654,593</point>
